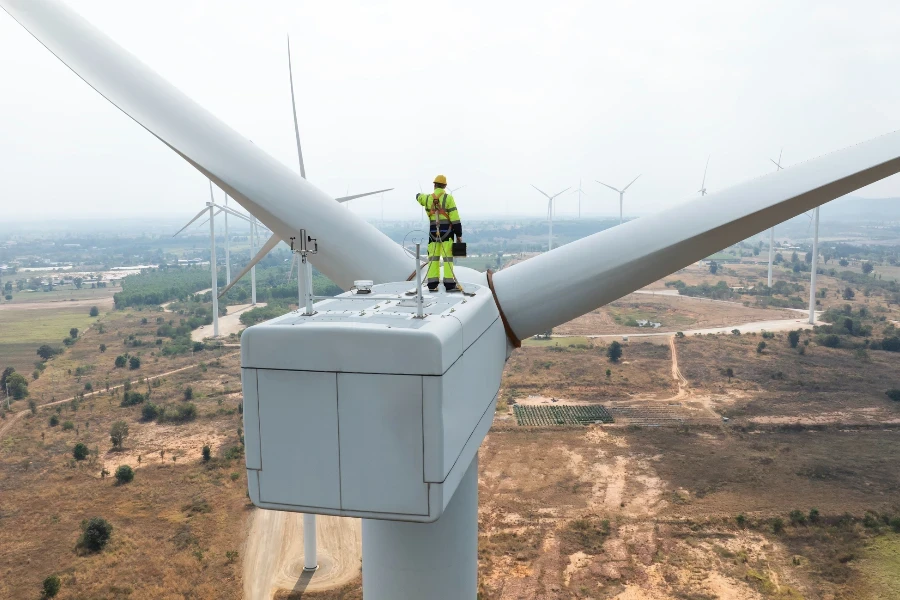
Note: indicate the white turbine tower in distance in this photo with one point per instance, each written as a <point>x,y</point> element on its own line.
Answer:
<point>813,267</point>
<point>580,192</point>
<point>621,196</point>
<point>549,212</point>
<point>778,167</point>
<point>411,392</point>
<point>702,190</point>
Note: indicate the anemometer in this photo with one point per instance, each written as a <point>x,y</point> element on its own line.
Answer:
<point>305,293</point>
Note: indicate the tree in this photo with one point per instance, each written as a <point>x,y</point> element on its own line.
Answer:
<point>729,372</point>
<point>95,312</point>
<point>760,347</point>
<point>51,586</point>
<point>121,361</point>
<point>134,363</point>
<point>848,293</point>
<point>844,262</point>
<point>80,451</point>
<point>207,453</point>
<point>102,347</point>
<point>117,433</point>
<point>17,386</point>
<point>78,281</point>
<point>54,420</point>
<point>188,393</point>
<point>124,474</point>
<point>614,352</point>
<point>893,395</point>
<point>46,351</point>
<point>808,258</point>
<point>73,333</point>
<point>794,338</point>
<point>713,267</point>
<point>756,251</point>
<point>794,257</point>
<point>867,267</point>
<point>95,533</point>
<point>6,373</point>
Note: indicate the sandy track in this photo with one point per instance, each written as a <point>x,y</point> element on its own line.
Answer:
<point>230,323</point>
<point>273,554</point>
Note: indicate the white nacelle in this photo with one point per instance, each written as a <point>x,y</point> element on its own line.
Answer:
<point>363,410</point>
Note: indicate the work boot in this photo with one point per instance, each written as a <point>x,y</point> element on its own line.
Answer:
<point>451,287</point>
<point>432,288</point>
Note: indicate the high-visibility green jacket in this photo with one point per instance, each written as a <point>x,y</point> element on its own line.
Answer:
<point>443,216</point>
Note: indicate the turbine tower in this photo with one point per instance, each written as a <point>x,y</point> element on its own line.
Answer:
<point>549,212</point>
<point>580,192</point>
<point>778,167</point>
<point>814,266</point>
<point>702,189</point>
<point>417,390</point>
<point>621,196</point>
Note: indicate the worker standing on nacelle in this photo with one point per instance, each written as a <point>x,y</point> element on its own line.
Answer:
<point>444,224</point>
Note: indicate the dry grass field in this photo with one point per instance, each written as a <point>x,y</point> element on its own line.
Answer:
<point>669,502</point>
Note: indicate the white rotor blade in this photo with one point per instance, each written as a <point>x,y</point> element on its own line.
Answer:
<point>266,248</point>
<point>206,220</point>
<point>270,191</point>
<point>294,109</point>
<point>705,169</point>
<point>555,287</point>
<point>293,262</point>
<point>632,181</point>
<point>197,216</point>
<point>355,196</point>
<point>777,164</point>
<point>454,190</point>
<point>562,192</point>
<point>609,186</point>
<point>541,191</point>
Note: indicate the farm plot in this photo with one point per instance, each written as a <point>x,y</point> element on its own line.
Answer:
<point>543,416</point>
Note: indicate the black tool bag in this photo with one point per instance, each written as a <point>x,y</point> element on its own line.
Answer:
<point>459,249</point>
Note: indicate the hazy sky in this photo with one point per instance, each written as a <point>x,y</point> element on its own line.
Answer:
<point>494,95</point>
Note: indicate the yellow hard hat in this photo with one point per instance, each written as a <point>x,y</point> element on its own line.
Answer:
<point>441,180</point>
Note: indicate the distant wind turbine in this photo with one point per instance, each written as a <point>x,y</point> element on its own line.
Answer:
<point>772,230</point>
<point>621,195</point>
<point>702,189</point>
<point>550,211</point>
<point>579,191</point>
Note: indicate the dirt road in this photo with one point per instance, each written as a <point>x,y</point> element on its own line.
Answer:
<point>273,555</point>
<point>230,323</point>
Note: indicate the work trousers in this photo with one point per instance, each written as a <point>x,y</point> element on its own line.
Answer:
<point>436,252</point>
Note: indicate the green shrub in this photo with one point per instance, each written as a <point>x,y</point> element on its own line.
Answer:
<point>179,413</point>
<point>777,525</point>
<point>121,361</point>
<point>54,420</point>
<point>149,412</point>
<point>95,534</point>
<point>68,426</point>
<point>80,451</point>
<point>614,351</point>
<point>797,517</point>
<point>95,312</point>
<point>829,341</point>
<point>117,433</point>
<point>794,338</point>
<point>207,453</point>
<point>188,393</point>
<point>134,363</point>
<point>814,515</point>
<point>132,398</point>
<point>124,474</point>
<point>51,586</point>
<point>760,347</point>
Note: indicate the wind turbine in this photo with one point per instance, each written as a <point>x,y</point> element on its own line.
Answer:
<point>406,459</point>
<point>275,239</point>
<point>778,167</point>
<point>702,189</point>
<point>549,212</point>
<point>621,195</point>
<point>213,209</point>
<point>579,191</point>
